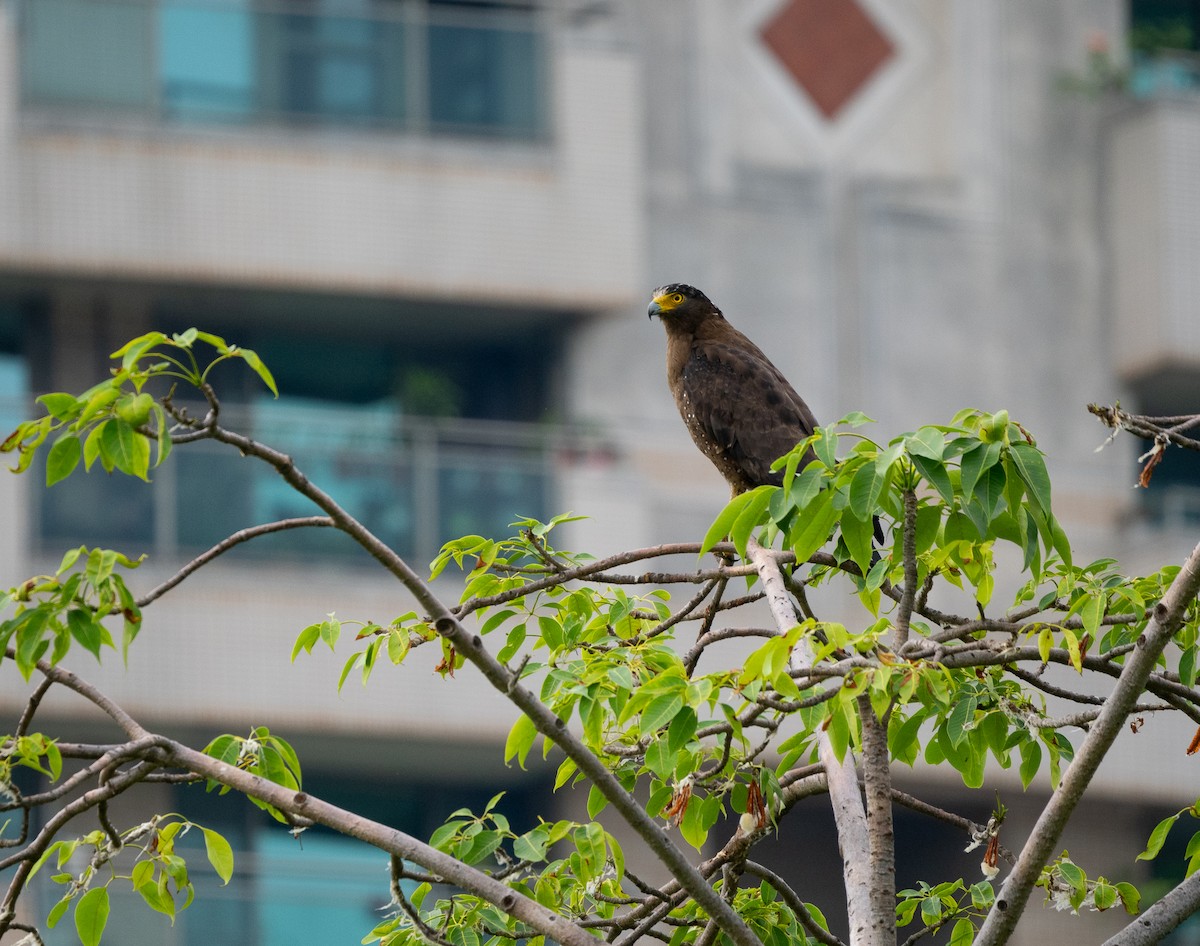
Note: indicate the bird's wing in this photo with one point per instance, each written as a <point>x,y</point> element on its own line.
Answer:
<point>744,403</point>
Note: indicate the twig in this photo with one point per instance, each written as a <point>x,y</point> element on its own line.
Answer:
<point>1168,615</point>
<point>242,535</point>
<point>792,899</point>
<point>470,645</point>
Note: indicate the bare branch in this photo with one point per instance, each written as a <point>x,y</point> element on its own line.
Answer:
<point>546,722</point>
<point>792,899</point>
<point>1013,895</point>
<point>853,839</point>
<point>877,780</point>
<point>909,596</point>
<point>242,535</point>
<point>1163,916</point>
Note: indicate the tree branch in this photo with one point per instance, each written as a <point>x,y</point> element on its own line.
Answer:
<point>242,535</point>
<point>1014,893</point>
<point>1152,926</point>
<point>866,929</point>
<point>792,899</point>
<point>470,645</point>
<point>877,779</point>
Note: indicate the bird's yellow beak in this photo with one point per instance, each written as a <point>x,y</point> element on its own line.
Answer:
<point>660,305</point>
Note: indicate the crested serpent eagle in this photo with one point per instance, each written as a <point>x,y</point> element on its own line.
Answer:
<point>738,407</point>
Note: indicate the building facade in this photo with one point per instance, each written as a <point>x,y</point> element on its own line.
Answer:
<point>439,221</point>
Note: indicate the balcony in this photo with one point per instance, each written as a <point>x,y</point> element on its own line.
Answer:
<point>1153,226</point>
<point>397,65</point>
<point>415,482</point>
<point>1165,73</point>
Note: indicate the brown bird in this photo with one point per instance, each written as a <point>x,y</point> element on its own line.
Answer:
<point>738,407</point>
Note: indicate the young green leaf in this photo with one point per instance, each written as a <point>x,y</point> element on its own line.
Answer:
<point>520,740</point>
<point>62,458</point>
<point>1157,838</point>
<point>220,854</point>
<point>91,916</point>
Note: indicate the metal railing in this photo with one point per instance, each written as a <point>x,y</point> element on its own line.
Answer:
<point>1165,73</point>
<point>408,65</point>
<point>415,482</point>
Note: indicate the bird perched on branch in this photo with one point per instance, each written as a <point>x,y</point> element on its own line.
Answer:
<point>738,407</point>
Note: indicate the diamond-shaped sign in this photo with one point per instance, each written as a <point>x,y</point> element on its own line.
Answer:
<point>830,47</point>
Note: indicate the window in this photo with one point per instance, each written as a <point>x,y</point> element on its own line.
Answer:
<point>417,65</point>
<point>1164,40</point>
<point>317,888</point>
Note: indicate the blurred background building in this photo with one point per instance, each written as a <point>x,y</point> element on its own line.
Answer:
<point>439,222</point>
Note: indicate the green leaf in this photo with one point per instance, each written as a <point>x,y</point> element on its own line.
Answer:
<point>963,933</point>
<point>91,446</point>
<point>1073,874</point>
<point>692,827</point>
<point>682,729</point>
<point>1157,838</point>
<point>60,406</point>
<point>1092,613</point>
<point>306,640</point>
<point>220,854</point>
<point>56,913</point>
<point>902,738</point>
<point>960,718</point>
<point>976,461</point>
<point>1104,895</point>
<point>660,711</point>
<point>125,449</point>
<point>1031,761</point>
<point>982,895</point>
<point>934,471</point>
<point>927,443</point>
<point>750,516</point>
<point>1031,467</point>
<point>813,525</point>
<point>520,740</point>
<point>596,802</point>
<point>91,916</point>
<point>859,535</point>
<point>252,359</point>
<point>132,350</point>
<point>1130,897</point>
<point>62,459</point>
<point>722,525</point>
<point>351,662</point>
<point>865,488</point>
<point>532,845</point>
<point>135,410</point>
<point>86,629</point>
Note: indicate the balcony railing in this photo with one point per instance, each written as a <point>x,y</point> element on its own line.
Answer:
<point>414,482</point>
<point>1165,73</point>
<point>410,65</point>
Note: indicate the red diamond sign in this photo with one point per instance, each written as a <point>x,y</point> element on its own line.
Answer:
<point>831,48</point>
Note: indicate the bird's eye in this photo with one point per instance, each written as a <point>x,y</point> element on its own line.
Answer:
<point>677,297</point>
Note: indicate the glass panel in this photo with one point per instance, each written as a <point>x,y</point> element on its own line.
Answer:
<point>340,67</point>
<point>410,482</point>
<point>207,61</point>
<point>14,393</point>
<point>327,890</point>
<point>350,452</point>
<point>86,52</point>
<point>236,60</point>
<point>114,511</point>
<point>483,78</point>
<point>483,494</point>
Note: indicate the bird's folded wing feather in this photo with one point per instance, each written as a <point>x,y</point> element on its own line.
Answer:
<point>745,405</point>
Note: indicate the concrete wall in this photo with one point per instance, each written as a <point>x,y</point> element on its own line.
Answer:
<point>556,222</point>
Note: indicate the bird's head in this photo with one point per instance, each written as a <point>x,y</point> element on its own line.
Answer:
<point>682,307</point>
